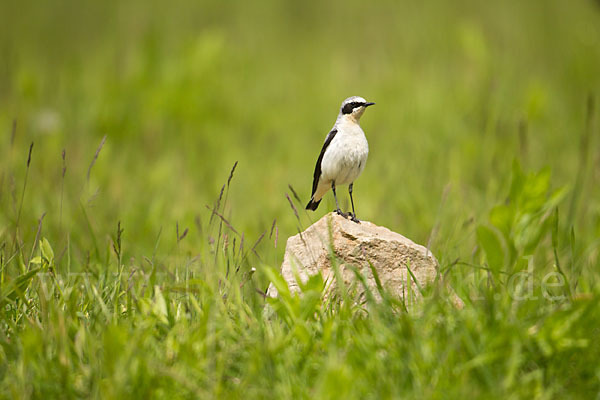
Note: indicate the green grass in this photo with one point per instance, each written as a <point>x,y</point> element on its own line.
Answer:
<point>133,257</point>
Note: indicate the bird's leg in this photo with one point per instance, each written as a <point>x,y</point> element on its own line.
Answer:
<point>337,206</point>
<point>352,201</point>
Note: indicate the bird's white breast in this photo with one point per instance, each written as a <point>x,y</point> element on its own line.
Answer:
<point>346,156</point>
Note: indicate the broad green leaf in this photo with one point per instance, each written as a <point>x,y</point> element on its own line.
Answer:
<point>535,191</point>
<point>491,242</point>
<point>47,251</point>
<point>160,305</point>
<point>36,260</point>
<point>556,197</point>
<point>314,283</point>
<point>17,286</point>
<point>502,217</point>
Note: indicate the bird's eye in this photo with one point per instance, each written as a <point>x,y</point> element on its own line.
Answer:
<point>348,108</point>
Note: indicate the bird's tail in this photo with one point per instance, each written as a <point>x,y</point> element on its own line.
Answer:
<point>312,205</point>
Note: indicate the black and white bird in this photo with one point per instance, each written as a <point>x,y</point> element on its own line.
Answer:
<point>343,156</point>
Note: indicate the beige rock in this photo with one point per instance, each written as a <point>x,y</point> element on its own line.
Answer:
<point>355,244</point>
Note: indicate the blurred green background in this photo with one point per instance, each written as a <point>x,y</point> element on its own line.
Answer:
<point>484,144</point>
<point>183,90</point>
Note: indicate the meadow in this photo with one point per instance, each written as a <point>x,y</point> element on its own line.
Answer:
<point>152,155</point>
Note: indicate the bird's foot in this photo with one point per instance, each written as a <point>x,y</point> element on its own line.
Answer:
<point>341,213</point>
<point>347,215</point>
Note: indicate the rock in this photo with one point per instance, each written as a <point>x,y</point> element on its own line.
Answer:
<point>357,244</point>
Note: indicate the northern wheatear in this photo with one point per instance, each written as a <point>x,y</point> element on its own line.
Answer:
<point>343,156</point>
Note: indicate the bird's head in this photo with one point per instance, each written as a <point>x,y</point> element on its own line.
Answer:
<point>353,108</point>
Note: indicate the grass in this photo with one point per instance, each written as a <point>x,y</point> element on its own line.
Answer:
<point>152,153</point>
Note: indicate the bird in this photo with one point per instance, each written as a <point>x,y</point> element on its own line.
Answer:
<point>343,156</point>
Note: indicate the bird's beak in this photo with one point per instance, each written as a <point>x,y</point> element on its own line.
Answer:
<point>369,104</point>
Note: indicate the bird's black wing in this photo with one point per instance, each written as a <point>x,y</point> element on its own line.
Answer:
<point>317,173</point>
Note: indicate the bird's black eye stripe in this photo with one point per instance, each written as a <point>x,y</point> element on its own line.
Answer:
<point>347,109</point>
